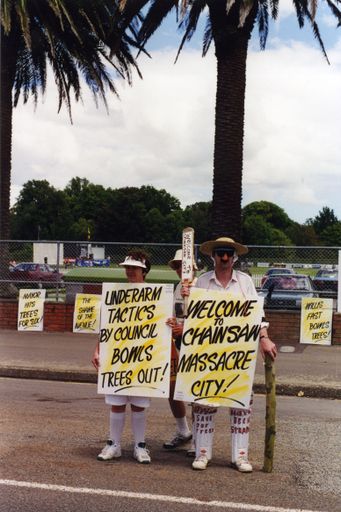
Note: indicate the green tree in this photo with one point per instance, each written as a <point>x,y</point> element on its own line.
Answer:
<point>270,212</point>
<point>331,235</point>
<point>324,219</point>
<point>77,38</point>
<point>229,25</point>
<point>41,212</point>
<point>198,216</point>
<point>87,203</point>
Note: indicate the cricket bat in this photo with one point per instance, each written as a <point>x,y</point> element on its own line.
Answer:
<point>187,268</point>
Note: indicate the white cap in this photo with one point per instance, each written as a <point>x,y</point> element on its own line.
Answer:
<point>131,262</point>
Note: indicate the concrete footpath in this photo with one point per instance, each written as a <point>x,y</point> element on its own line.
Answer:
<point>301,370</point>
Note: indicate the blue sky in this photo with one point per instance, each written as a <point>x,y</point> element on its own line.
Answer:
<point>161,130</point>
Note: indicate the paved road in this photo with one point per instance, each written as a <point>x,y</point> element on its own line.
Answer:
<point>52,432</point>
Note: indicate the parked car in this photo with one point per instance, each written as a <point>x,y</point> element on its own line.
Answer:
<point>326,280</point>
<point>274,271</point>
<point>285,291</point>
<point>40,273</point>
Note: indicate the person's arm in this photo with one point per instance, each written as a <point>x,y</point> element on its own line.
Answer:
<point>95,357</point>
<point>266,346</point>
<point>176,327</point>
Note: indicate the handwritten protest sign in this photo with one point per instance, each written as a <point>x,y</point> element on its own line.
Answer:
<point>135,340</point>
<point>86,315</point>
<point>187,254</point>
<point>219,349</point>
<point>31,310</point>
<point>316,321</point>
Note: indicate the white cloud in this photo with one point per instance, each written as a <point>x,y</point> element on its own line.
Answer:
<point>161,131</point>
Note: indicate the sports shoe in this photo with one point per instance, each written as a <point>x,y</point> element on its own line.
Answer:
<point>200,462</point>
<point>110,451</point>
<point>178,440</point>
<point>243,465</point>
<point>191,452</point>
<point>141,454</point>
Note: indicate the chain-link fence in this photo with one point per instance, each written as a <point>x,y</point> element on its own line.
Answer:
<point>65,268</point>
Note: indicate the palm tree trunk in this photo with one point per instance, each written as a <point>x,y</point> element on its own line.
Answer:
<point>228,143</point>
<point>7,79</point>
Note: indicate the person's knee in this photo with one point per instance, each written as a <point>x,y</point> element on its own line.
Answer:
<point>135,408</point>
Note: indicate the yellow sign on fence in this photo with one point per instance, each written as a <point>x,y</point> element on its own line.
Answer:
<point>316,321</point>
<point>135,341</point>
<point>31,310</point>
<point>219,349</point>
<point>87,312</point>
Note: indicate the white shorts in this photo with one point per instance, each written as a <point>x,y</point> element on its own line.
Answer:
<point>139,401</point>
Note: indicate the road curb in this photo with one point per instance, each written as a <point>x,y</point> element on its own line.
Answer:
<point>284,389</point>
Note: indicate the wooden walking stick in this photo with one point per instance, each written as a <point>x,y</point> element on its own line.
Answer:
<point>187,268</point>
<point>270,416</point>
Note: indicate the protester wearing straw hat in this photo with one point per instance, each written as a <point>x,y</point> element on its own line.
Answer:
<point>137,266</point>
<point>183,434</point>
<point>224,252</point>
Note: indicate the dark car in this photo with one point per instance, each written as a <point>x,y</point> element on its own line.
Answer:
<point>40,273</point>
<point>326,280</point>
<point>274,271</point>
<point>285,291</point>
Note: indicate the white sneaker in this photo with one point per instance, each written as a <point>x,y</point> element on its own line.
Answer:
<point>243,465</point>
<point>110,451</point>
<point>141,454</point>
<point>200,462</point>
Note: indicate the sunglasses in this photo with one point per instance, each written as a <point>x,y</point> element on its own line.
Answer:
<point>223,250</point>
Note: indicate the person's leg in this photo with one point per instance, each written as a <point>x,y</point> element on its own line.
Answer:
<point>178,408</point>
<point>204,432</point>
<point>138,425</point>
<point>240,426</point>
<point>112,449</point>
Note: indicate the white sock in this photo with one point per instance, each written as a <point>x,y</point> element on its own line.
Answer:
<point>182,426</point>
<point>204,430</point>
<point>138,425</point>
<point>240,426</point>
<point>117,420</point>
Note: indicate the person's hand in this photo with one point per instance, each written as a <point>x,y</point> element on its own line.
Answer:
<point>95,357</point>
<point>267,347</point>
<point>185,289</point>
<point>175,326</point>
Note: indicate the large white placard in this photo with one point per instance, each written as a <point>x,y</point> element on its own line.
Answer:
<point>135,341</point>
<point>219,349</point>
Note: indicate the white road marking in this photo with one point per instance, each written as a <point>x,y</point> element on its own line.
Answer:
<point>148,496</point>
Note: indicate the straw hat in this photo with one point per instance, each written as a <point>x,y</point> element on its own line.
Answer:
<point>208,247</point>
<point>178,257</point>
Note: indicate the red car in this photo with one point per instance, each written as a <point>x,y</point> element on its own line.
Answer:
<point>35,272</point>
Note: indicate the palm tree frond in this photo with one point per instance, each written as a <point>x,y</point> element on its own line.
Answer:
<point>190,22</point>
<point>335,11</point>
<point>208,36</point>
<point>274,8</point>
<point>154,17</point>
<point>5,15</point>
<point>244,11</point>
<point>263,22</point>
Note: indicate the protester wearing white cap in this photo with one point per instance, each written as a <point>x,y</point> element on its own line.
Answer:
<point>225,251</point>
<point>136,266</point>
